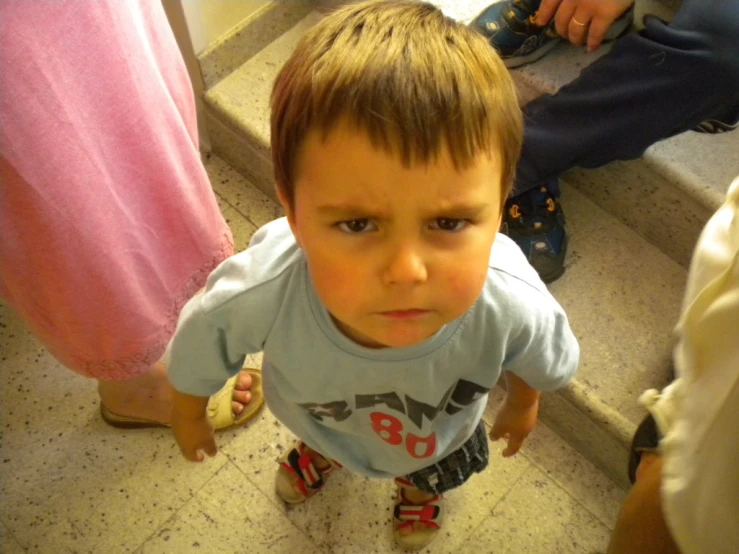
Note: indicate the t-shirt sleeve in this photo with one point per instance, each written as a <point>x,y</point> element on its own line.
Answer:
<point>233,316</point>
<point>542,349</point>
<point>206,349</point>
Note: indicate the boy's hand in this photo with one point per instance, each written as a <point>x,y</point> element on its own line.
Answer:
<point>194,436</point>
<point>190,425</point>
<point>517,418</point>
<point>514,423</point>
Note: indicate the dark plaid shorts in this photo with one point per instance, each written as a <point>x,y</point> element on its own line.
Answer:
<point>452,471</point>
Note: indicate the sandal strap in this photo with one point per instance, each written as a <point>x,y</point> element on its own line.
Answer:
<point>427,512</point>
<point>310,478</point>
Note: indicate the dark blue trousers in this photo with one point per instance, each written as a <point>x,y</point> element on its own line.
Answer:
<point>652,85</point>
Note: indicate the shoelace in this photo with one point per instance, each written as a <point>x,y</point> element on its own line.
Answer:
<point>537,209</point>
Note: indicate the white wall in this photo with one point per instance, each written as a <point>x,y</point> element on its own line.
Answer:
<point>209,19</point>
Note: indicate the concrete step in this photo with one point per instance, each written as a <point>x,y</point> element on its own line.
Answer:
<point>623,313</point>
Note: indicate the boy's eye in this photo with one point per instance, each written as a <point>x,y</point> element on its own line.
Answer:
<point>354,226</point>
<point>449,224</point>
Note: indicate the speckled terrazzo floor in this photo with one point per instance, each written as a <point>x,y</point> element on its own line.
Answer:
<point>69,483</point>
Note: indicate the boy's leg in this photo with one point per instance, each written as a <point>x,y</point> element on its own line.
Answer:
<point>418,507</point>
<point>416,517</point>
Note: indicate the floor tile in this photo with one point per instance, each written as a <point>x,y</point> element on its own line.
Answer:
<point>228,515</point>
<point>241,228</point>
<point>575,474</point>
<point>354,513</point>
<point>568,468</point>
<point>538,517</point>
<point>8,544</point>
<point>67,478</point>
<point>223,204</point>
<point>247,199</point>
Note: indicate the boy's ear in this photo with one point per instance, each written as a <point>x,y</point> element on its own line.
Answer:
<point>286,204</point>
<point>288,208</point>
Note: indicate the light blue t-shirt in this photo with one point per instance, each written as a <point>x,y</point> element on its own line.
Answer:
<point>380,412</point>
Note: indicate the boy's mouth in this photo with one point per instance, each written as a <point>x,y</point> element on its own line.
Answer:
<point>404,314</point>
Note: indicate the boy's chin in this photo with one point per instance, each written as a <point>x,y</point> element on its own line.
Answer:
<point>397,336</point>
<point>391,340</point>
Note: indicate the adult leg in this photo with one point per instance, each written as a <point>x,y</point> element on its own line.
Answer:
<point>664,80</point>
<point>108,223</point>
<point>641,527</point>
<point>148,396</point>
<point>654,84</point>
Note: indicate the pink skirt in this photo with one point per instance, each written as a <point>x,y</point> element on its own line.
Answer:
<point>108,223</point>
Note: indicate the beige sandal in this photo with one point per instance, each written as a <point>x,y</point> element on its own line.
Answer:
<point>407,513</point>
<point>219,410</point>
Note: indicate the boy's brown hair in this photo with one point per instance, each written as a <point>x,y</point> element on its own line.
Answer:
<point>411,78</point>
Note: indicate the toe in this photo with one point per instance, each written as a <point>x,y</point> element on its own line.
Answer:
<point>241,396</point>
<point>244,381</point>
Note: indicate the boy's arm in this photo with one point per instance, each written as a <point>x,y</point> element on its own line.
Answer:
<point>202,356</point>
<point>517,417</point>
<point>190,426</point>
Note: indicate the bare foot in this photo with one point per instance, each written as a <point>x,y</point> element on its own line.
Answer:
<point>149,396</point>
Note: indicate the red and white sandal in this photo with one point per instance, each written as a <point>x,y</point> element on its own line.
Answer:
<point>297,478</point>
<point>406,513</point>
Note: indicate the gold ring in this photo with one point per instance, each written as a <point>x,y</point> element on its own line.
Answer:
<point>576,22</point>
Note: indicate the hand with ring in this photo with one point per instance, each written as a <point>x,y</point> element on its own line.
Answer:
<point>582,21</point>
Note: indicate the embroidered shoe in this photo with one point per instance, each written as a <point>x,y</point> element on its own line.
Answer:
<point>510,27</point>
<point>535,222</point>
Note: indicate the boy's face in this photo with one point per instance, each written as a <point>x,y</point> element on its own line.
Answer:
<point>394,253</point>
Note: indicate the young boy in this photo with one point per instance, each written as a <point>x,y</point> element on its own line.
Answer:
<point>386,304</point>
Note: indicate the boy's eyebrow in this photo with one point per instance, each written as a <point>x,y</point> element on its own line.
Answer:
<point>347,208</point>
<point>460,209</point>
<point>463,208</point>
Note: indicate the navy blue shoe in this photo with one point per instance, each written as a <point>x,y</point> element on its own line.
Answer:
<point>510,28</point>
<point>535,222</point>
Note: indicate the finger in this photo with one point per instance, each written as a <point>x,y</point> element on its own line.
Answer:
<point>514,445</point>
<point>598,29</point>
<point>563,17</point>
<point>578,29</point>
<point>497,432</point>
<point>546,10</point>
<point>192,455</point>
<point>210,448</point>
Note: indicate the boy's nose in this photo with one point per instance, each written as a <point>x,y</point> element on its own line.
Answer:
<point>406,267</point>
